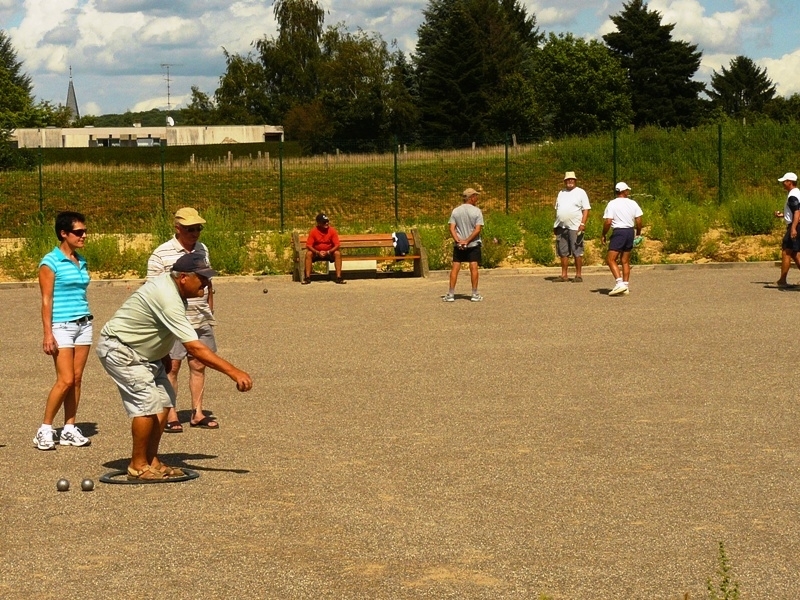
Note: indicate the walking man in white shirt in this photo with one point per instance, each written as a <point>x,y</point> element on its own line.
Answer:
<point>624,216</point>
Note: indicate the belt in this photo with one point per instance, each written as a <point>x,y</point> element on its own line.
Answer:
<point>82,320</point>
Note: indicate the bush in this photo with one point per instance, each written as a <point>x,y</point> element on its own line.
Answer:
<point>271,254</point>
<point>227,239</point>
<point>686,225</point>
<point>503,228</point>
<point>538,222</point>
<point>540,250</point>
<point>493,253</point>
<point>752,215</point>
<point>438,244</point>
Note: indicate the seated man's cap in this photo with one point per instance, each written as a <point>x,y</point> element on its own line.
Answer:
<point>788,177</point>
<point>322,218</point>
<point>469,192</point>
<point>193,262</point>
<point>188,216</point>
<point>621,187</point>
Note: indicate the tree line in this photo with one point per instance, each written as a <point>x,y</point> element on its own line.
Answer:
<point>481,70</point>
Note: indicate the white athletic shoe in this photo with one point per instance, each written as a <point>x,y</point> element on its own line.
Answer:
<point>619,290</point>
<point>44,440</point>
<point>476,298</point>
<point>73,437</point>
<point>449,298</point>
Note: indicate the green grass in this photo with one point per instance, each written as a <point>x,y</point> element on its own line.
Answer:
<point>674,175</point>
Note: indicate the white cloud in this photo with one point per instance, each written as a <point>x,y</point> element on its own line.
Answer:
<point>718,31</point>
<point>783,72</point>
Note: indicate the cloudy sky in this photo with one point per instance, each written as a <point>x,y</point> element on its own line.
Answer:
<point>120,51</point>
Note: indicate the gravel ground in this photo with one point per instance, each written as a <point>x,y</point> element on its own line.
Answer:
<point>548,442</point>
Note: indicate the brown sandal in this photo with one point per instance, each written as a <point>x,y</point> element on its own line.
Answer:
<point>146,474</point>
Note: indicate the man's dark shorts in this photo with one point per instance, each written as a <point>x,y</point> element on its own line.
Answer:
<point>622,240</point>
<point>467,254</point>
<point>788,243</point>
<point>317,258</point>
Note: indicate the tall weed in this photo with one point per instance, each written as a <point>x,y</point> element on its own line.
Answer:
<point>439,245</point>
<point>752,214</point>
<point>686,224</point>
<point>540,249</point>
<point>501,228</point>
<point>227,236</point>
<point>538,222</point>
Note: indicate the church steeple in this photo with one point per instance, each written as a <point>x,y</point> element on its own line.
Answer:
<point>72,101</point>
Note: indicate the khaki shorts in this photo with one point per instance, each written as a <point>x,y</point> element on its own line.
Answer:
<point>569,242</point>
<point>143,384</point>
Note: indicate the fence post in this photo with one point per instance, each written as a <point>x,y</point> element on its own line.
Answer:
<point>280,179</point>
<point>41,189</point>
<point>396,184</point>
<point>507,180</point>
<point>614,154</point>
<point>163,182</point>
<point>719,163</point>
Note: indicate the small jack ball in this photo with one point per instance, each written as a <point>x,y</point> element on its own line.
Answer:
<point>87,485</point>
<point>62,485</point>
<point>266,290</point>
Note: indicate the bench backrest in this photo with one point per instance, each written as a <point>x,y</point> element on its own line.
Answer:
<point>362,240</point>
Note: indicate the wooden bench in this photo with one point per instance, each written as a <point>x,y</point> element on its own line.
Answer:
<point>381,242</point>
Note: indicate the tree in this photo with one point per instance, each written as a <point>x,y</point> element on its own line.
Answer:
<point>354,83</point>
<point>467,52</point>
<point>241,98</point>
<point>659,69</point>
<point>201,110</point>
<point>581,86</point>
<point>13,67</point>
<point>742,90</point>
<point>291,61</point>
<point>784,110</point>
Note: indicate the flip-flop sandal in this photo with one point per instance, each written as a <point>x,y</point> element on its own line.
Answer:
<point>146,474</point>
<point>173,427</point>
<point>204,423</point>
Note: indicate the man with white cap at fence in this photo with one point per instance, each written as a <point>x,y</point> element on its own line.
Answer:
<point>624,216</point>
<point>791,215</point>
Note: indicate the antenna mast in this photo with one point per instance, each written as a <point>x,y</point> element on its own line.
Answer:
<point>167,66</point>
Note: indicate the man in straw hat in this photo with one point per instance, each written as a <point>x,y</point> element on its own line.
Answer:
<point>200,311</point>
<point>572,212</point>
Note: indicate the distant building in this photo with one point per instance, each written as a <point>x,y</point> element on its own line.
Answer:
<point>184,135</point>
<point>72,100</point>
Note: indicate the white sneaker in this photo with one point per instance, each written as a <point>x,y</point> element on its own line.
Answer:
<point>619,290</point>
<point>73,437</point>
<point>44,440</point>
<point>449,298</point>
<point>476,298</point>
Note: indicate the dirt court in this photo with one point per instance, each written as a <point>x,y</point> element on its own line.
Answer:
<point>549,442</point>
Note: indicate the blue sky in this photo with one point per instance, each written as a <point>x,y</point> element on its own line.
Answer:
<point>118,48</point>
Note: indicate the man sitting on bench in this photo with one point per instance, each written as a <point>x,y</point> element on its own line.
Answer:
<point>323,244</point>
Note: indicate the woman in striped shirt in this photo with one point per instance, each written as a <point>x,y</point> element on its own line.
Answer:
<point>67,322</point>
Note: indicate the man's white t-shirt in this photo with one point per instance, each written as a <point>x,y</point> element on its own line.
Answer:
<point>570,205</point>
<point>623,213</point>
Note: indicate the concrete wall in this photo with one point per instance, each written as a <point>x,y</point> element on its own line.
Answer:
<point>186,135</point>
